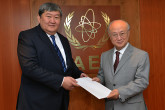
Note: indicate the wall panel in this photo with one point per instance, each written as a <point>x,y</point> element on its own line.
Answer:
<point>15,16</point>
<point>152,22</point>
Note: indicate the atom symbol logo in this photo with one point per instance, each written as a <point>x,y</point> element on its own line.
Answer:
<point>75,42</point>
<point>88,27</point>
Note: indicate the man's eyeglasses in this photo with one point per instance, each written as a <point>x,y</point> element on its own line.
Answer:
<point>121,34</point>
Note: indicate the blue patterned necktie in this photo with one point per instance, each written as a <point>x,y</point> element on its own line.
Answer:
<point>58,52</point>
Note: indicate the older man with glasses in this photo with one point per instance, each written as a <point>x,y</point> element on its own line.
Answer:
<point>124,69</point>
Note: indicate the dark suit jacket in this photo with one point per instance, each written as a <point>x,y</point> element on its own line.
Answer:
<point>42,72</point>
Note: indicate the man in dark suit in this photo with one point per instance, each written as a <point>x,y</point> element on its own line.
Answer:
<point>124,69</point>
<point>48,70</point>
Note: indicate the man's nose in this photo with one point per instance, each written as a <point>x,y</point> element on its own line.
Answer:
<point>52,20</point>
<point>119,37</point>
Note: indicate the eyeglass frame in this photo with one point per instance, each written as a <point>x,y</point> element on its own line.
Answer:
<point>121,34</point>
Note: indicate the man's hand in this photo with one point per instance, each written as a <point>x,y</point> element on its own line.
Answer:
<point>83,75</point>
<point>96,79</point>
<point>114,94</point>
<point>69,83</point>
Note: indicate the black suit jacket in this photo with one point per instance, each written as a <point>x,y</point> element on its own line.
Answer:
<point>42,72</point>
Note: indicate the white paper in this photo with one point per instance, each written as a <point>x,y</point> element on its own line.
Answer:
<point>95,88</point>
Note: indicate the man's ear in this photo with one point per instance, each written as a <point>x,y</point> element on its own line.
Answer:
<point>38,18</point>
<point>129,33</point>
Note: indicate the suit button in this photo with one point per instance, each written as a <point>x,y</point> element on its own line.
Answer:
<point>114,84</point>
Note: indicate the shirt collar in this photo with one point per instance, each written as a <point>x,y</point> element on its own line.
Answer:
<point>122,50</point>
<point>54,35</point>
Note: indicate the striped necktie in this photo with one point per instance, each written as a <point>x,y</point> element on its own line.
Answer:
<point>58,52</point>
<point>116,61</point>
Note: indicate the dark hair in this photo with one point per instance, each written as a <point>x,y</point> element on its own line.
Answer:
<point>49,7</point>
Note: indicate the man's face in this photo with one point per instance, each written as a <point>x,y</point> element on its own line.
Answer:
<point>50,21</point>
<point>119,34</point>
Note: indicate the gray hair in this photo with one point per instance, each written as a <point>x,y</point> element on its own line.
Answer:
<point>117,20</point>
<point>49,7</point>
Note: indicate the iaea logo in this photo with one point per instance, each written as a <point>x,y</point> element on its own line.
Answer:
<point>88,30</point>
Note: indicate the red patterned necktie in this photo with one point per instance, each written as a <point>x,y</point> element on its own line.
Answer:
<point>116,61</point>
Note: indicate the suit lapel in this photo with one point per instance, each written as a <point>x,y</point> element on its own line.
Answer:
<point>111,61</point>
<point>47,41</point>
<point>45,38</point>
<point>124,58</point>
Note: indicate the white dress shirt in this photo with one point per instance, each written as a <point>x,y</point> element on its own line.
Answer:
<point>60,46</point>
<point>121,53</point>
